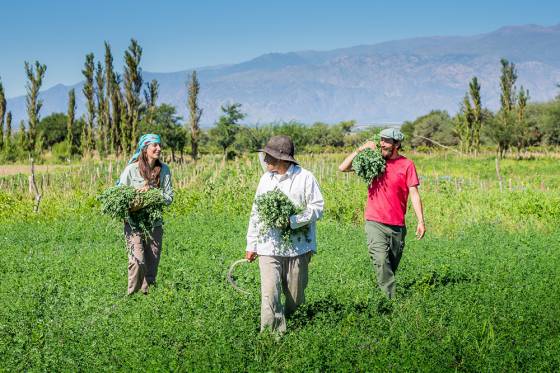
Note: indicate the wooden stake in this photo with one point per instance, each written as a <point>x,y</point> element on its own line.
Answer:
<point>33,187</point>
<point>500,181</point>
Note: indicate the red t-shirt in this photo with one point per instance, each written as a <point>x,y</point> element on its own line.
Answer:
<point>388,194</point>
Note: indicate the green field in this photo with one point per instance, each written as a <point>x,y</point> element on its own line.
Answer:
<point>479,293</point>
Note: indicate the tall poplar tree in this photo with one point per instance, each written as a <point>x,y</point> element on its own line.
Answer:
<point>70,119</point>
<point>118,109</point>
<point>132,89</point>
<point>88,91</point>
<point>35,75</point>
<point>23,139</point>
<point>8,142</point>
<point>507,100</point>
<point>474,91</point>
<point>469,119</point>
<point>195,113</point>
<point>150,96</point>
<point>109,100</point>
<point>502,129</point>
<point>2,114</point>
<point>101,111</point>
<point>151,93</point>
<point>507,85</point>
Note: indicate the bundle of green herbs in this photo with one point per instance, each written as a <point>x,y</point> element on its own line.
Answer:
<point>369,164</point>
<point>117,201</point>
<point>274,209</point>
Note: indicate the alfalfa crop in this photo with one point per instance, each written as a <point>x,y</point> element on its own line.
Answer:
<point>369,163</point>
<point>274,209</point>
<point>117,201</point>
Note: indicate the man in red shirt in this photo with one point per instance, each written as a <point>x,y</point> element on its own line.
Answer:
<point>386,207</point>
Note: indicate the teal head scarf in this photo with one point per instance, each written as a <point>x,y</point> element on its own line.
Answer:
<point>146,139</point>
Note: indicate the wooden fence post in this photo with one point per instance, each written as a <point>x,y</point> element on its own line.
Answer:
<point>33,187</point>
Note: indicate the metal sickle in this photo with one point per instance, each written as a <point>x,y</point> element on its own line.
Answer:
<point>230,277</point>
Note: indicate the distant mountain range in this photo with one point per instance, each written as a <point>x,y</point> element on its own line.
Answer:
<point>386,82</point>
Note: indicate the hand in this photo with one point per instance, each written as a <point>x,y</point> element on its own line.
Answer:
<point>250,255</point>
<point>135,205</point>
<point>420,230</point>
<point>368,144</point>
<point>145,188</point>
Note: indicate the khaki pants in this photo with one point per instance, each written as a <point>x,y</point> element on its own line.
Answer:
<point>143,258</point>
<point>282,274</point>
<point>385,245</point>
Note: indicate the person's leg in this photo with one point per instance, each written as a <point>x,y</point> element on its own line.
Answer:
<point>272,312</point>
<point>152,254</point>
<point>295,281</point>
<point>379,244</point>
<point>397,246</point>
<point>136,264</point>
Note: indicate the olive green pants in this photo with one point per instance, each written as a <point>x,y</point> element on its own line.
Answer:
<point>385,246</point>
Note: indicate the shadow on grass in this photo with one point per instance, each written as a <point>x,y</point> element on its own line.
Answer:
<point>331,310</point>
<point>435,279</point>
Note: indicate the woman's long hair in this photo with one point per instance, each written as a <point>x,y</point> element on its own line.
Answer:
<point>151,175</point>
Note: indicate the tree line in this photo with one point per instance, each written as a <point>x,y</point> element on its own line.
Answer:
<point>120,108</point>
<point>516,126</point>
<point>116,112</point>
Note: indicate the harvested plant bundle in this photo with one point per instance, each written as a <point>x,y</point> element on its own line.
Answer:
<point>116,202</point>
<point>274,209</point>
<point>369,164</point>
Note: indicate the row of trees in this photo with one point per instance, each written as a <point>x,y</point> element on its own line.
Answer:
<point>228,136</point>
<point>11,146</point>
<point>518,124</point>
<point>115,110</point>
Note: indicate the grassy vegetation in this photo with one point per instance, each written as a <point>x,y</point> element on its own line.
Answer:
<point>480,292</point>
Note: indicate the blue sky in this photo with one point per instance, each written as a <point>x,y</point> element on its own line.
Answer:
<point>178,35</point>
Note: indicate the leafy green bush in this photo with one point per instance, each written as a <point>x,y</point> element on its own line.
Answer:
<point>61,151</point>
<point>369,164</point>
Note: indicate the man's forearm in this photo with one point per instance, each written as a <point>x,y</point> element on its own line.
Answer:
<point>417,205</point>
<point>346,164</point>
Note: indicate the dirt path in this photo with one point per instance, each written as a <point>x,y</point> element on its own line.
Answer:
<point>13,169</point>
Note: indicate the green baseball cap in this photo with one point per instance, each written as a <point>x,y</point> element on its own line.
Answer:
<point>392,133</point>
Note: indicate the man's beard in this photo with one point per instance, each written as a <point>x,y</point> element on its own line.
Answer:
<point>386,153</point>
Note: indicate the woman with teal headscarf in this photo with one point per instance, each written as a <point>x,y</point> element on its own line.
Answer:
<point>143,172</point>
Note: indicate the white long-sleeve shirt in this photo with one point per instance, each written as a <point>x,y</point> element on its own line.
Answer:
<point>302,189</point>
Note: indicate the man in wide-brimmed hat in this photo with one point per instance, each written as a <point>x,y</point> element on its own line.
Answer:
<point>284,269</point>
<point>386,207</point>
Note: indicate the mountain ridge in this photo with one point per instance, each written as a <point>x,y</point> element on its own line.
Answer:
<point>390,81</point>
